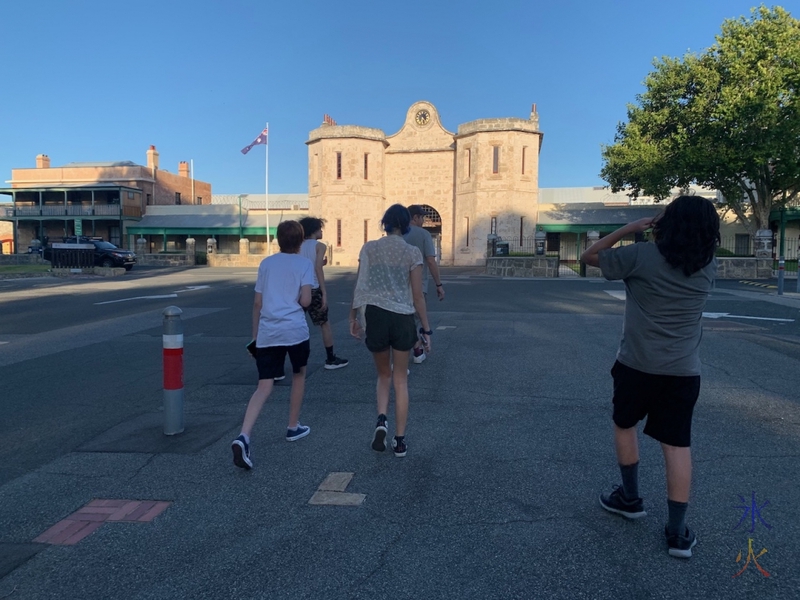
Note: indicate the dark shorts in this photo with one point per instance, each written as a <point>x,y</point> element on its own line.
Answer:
<point>319,315</point>
<point>386,329</point>
<point>270,360</point>
<point>666,400</point>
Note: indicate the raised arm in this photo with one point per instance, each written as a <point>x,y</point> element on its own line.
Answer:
<point>591,255</point>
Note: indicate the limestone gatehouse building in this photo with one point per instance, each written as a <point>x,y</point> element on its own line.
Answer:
<point>480,180</point>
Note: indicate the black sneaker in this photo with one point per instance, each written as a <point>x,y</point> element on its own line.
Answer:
<point>680,546</point>
<point>379,439</point>
<point>337,363</point>
<point>399,447</point>
<point>617,503</point>
<point>298,432</point>
<point>241,453</point>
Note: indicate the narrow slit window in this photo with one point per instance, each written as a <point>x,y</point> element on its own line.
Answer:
<point>338,233</point>
<point>366,166</point>
<point>466,231</point>
<point>366,230</point>
<point>495,159</point>
<point>469,162</point>
<point>338,165</point>
<point>521,222</point>
<point>524,152</point>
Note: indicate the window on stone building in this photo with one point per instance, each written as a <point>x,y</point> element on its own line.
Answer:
<point>148,199</point>
<point>177,197</point>
<point>366,230</point>
<point>493,226</point>
<point>338,233</point>
<point>524,152</point>
<point>469,162</point>
<point>366,166</point>
<point>338,165</point>
<point>495,159</point>
<point>130,195</point>
<point>466,232</point>
<point>521,223</point>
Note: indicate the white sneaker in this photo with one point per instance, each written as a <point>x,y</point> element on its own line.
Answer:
<point>418,358</point>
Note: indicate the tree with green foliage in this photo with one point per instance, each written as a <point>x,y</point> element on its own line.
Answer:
<point>727,118</point>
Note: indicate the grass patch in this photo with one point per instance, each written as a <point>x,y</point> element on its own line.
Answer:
<point>17,269</point>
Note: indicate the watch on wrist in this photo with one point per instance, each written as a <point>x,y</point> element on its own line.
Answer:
<point>438,285</point>
<point>422,330</point>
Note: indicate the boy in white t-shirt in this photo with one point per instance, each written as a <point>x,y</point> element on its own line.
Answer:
<point>283,289</point>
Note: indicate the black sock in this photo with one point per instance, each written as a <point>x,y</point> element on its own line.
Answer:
<point>329,350</point>
<point>677,517</point>
<point>630,480</point>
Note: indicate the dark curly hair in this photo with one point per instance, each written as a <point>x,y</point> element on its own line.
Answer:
<point>311,225</point>
<point>396,217</point>
<point>687,233</point>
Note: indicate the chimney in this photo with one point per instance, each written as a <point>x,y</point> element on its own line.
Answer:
<point>42,161</point>
<point>152,158</point>
<point>534,116</point>
<point>183,168</point>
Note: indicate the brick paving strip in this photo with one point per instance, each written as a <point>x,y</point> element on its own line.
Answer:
<point>91,516</point>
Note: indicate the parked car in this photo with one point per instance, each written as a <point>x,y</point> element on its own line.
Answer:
<point>106,254</point>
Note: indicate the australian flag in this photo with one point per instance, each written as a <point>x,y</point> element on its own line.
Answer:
<point>261,139</point>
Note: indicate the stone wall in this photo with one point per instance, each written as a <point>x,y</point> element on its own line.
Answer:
<point>744,268</point>
<point>235,260</point>
<point>526,266</point>
<point>164,260</point>
<point>22,259</point>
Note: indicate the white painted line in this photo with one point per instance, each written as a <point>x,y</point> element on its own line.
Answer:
<point>618,294</point>
<point>710,315</point>
<point>440,327</point>
<point>191,288</point>
<point>3,342</point>
<point>137,298</point>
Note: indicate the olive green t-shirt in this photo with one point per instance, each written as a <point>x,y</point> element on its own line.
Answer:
<point>663,309</point>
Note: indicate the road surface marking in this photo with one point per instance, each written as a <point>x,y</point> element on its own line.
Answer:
<point>137,298</point>
<point>620,295</point>
<point>331,492</point>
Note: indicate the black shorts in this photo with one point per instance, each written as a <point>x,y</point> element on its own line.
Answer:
<point>270,360</point>
<point>319,315</point>
<point>666,400</point>
<point>386,329</point>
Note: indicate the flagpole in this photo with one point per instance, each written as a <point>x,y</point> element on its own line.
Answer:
<point>266,188</point>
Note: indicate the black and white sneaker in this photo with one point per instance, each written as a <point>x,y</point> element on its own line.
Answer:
<point>617,503</point>
<point>298,432</point>
<point>399,447</point>
<point>680,546</point>
<point>241,453</point>
<point>336,363</point>
<point>379,439</point>
<point>279,378</point>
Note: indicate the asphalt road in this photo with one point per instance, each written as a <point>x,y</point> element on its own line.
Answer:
<point>509,446</point>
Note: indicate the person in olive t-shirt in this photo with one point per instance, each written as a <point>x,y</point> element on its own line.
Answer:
<point>657,371</point>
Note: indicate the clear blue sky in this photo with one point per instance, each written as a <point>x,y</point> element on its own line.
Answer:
<point>90,80</point>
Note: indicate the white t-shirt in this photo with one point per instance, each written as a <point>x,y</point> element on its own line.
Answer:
<point>384,274</point>
<point>280,277</point>
<point>309,250</point>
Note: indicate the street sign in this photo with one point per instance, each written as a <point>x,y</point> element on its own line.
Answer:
<point>78,227</point>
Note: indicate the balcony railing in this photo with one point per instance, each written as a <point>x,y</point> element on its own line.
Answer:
<point>72,210</point>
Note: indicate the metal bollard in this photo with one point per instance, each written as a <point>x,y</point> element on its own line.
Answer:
<point>781,274</point>
<point>173,370</point>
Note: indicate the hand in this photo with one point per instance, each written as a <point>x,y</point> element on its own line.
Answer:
<point>355,329</point>
<point>641,225</point>
<point>426,342</point>
<point>440,292</point>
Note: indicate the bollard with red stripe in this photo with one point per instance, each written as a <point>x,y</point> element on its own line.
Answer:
<point>173,370</point>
